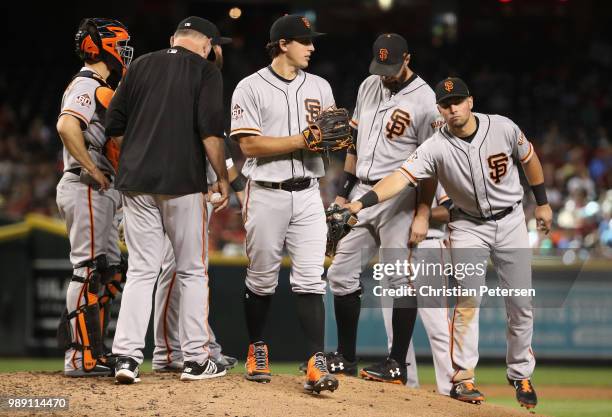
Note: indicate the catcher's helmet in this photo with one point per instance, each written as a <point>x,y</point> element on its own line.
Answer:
<point>100,39</point>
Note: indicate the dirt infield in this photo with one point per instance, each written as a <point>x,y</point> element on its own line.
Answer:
<point>165,395</point>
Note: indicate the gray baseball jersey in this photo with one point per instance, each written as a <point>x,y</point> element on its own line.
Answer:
<point>391,126</point>
<point>265,104</point>
<point>482,179</point>
<point>79,100</point>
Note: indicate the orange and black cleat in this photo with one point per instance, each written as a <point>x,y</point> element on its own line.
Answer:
<point>317,376</point>
<point>525,393</point>
<point>466,391</point>
<point>257,365</point>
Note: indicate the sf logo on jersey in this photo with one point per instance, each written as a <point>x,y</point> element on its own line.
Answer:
<point>313,108</point>
<point>398,123</point>
<point>498,165</point>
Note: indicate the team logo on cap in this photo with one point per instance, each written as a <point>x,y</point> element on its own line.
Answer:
<point>449,85</point>
<point>306,22</point>
<point>383,54</point>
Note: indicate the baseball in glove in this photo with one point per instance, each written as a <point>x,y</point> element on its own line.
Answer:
<point>330,131</point>
<point>340,221</point>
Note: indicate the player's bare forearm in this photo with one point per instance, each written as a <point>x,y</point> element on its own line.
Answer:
<point>535,177</point>
<point>533,170</point>
<point>350,163</point>
<point>427,190</point>
<point>440,215</point>
<point>215,152</point>
<point>262,146</point>
<point>390,186</point>
<point>350,166</point>
<point>69,130</point>
<point>385,189</point>
<point>232,173</point>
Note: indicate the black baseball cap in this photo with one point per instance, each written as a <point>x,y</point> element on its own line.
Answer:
<point>205,27</point>
<point>388,51</point>
<point>292,26</point>
<point>451,87</point>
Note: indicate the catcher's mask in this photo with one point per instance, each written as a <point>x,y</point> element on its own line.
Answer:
<point>100,39</point>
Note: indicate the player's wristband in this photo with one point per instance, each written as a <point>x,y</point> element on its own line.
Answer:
<point>369,199</point>
<point>239,183</point>
<point>539,192</point>
<point>347,184</point>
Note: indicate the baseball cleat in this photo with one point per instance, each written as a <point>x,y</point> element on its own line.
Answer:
<point>257,365</point>
<point>525,393</point>
<point>317,377</point>
<point>126,371</point>
<point>194,371</point>
<point>99,370</point>
<point>466,391</point>
<point>109,360</point>
<point>387,371</point>
<point>228,362</point>
<point>337,364</point>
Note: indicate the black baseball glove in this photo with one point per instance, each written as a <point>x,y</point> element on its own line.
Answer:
<point>330,131</point>
<point>340,221</point>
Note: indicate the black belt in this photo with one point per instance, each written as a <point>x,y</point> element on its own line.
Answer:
<point>370,182</point>
<point>77,171</point>
<point>290,185</point>
<point>497,216</point>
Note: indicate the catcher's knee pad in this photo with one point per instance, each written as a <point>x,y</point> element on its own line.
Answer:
<point>87,316</point>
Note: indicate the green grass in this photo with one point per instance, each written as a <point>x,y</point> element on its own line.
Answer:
<point>544,375</point>
<point>570,407</point>
<point>486,375</point>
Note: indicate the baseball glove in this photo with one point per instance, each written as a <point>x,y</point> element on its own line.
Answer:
<point>330,131</point>
<point>340,221</point>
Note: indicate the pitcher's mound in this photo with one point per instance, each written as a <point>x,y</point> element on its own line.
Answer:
<point>165,395</point>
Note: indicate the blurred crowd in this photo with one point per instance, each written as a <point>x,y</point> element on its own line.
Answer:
<point>564,109</point>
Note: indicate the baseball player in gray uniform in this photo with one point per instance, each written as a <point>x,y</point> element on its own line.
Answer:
<point>167,355</point>
<point>86,198</point>
<point>283,208</point>
<point>395,112</point>
<point>474,159</point>
<point>434,315</point>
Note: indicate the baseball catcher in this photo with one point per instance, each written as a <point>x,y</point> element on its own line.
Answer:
<point>330,131</point>
<point>86,197</point>
<point>340,221</point>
